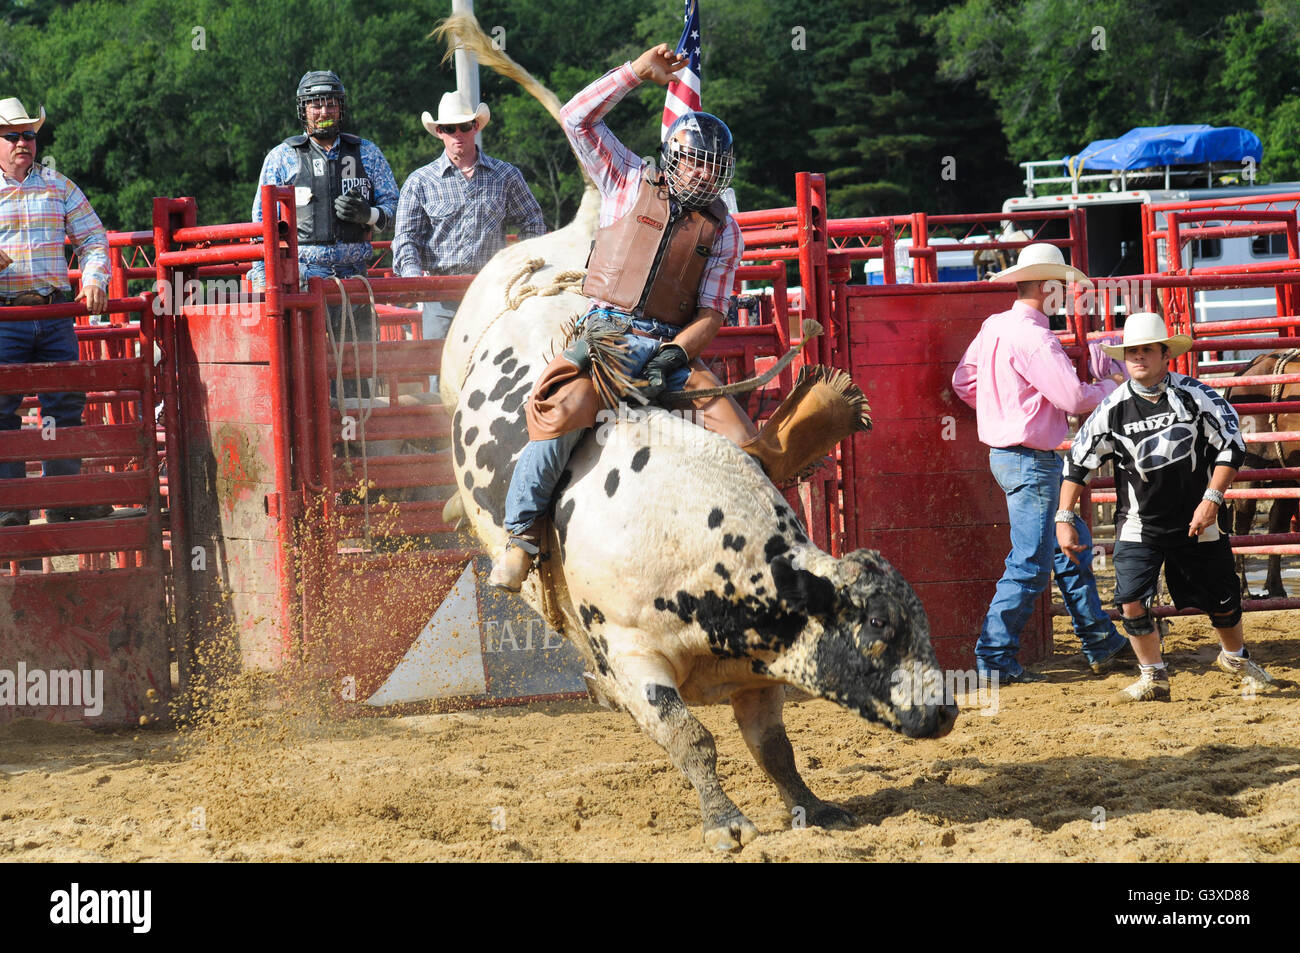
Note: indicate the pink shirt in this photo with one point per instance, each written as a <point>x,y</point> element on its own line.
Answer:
<point>1021,383</point>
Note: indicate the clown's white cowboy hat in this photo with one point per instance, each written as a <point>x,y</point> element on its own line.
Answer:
<point>1147,328</point>
<point>13,113</point>
<point>454,109</point>
<point>1042,262</point>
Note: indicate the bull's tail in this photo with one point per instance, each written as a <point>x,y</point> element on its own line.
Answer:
<point>462,30</point>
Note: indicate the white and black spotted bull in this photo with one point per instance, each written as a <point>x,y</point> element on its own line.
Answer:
<point>682,574</point>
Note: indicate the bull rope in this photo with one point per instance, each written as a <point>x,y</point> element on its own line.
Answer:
<point>810,330</point>
<point>1275,394</point>
<point>348,329</point>
<point>565,281</point>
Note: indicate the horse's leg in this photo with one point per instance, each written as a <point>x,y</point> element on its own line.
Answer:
<point>1243,512</point>
<point>1279,521</point>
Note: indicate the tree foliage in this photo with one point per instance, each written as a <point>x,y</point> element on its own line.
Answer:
<point>1063,74</point>
<point>185,97</point>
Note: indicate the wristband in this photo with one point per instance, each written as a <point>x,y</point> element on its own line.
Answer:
<point>1214,496</point>
<point>1064,516</point>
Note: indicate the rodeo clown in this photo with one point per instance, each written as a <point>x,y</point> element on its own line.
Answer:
<point>1176,446</point>
<point>659,277</point>
<point>344,190</point>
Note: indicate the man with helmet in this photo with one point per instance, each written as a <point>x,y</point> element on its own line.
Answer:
<point>344,191</point>
<point>659,276</point>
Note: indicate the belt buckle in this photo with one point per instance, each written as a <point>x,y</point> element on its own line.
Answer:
<point>29,299</point>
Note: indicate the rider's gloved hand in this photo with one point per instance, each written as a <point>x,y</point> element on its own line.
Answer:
<point>670,358</point>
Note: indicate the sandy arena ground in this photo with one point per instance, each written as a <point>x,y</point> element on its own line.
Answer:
<point>1057,774</point>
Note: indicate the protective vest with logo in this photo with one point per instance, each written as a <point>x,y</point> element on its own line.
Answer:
<point>327,179</point>
<point>649,263</point>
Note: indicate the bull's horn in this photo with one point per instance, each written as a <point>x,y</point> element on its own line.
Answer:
<point>462,30</point>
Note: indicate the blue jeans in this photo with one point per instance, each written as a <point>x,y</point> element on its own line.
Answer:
<point>543,461</point>
<point>32,342</point>
<point>1031,480</point>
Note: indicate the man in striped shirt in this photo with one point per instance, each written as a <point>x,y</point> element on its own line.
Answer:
<point>38,207</point>
<point>660,274</point>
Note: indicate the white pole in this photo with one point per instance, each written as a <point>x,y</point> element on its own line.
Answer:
<point>467,66</point>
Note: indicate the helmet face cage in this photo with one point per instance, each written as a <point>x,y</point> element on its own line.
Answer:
<point>322,85</point>
<point>697,159</point>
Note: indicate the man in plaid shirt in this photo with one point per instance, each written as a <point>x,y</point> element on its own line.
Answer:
<point>663,284</point>
<point>38,207</point>
<point>452,213</point>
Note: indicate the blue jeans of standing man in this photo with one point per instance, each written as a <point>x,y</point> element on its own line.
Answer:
<point>1031,480</point>
<point>31,342</point>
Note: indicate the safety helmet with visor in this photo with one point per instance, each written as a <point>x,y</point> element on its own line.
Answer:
<point>697,158</point>
<point>319,86</point>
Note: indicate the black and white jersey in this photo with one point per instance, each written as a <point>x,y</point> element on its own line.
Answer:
<point>1164,453</point>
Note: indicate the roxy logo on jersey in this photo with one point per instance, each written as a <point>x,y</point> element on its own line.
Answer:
<point>1158,422</point>
<point>1164,449</point>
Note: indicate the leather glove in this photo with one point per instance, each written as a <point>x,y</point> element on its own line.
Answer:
<point>660,367</point>
<point>578,353</point>
<point>352,208</point>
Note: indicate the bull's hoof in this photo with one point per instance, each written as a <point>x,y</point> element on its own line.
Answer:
<point>831,817</point>
<point>730,833</point>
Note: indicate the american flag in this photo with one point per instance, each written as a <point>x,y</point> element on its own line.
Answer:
<point>684,91</point>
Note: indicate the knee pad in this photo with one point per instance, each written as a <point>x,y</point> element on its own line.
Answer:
<point>1226,620</point>
<point>1142,625</point>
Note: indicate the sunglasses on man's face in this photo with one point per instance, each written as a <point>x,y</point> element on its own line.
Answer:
<point>459,127</point>
<point>27,135</point>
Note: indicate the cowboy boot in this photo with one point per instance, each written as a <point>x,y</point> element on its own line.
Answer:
<point>511,568</point>
<point>822,408</point>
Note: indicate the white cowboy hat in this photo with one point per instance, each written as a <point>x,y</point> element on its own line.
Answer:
<point>13,113</point>
<point>1143,327</point>
<point>1042,262</point>
<point>454,109</point>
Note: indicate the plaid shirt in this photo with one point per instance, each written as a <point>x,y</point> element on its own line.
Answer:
<point>35,215</point>
<point>617,172</point>
<point>344,258</point>
<point>450,225</point>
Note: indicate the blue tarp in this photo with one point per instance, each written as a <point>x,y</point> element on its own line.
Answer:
<point>1149,146</point>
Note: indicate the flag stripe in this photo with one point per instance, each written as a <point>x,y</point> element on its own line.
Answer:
<point>683,94</point>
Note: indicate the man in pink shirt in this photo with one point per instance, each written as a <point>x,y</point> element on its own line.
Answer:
<point>1021,383</point>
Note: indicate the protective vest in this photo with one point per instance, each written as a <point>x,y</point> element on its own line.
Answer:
<point>650,264</point>
<point>328,179</point>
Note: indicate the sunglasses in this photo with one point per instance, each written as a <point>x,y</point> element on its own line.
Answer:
<point>459,127</point>
<point>26,135</point>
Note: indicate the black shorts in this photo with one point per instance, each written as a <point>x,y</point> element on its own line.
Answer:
<point>1199,575</point>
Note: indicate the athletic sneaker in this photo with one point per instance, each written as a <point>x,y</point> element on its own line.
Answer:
<point>1153,686</point>
<point>1244,667</point>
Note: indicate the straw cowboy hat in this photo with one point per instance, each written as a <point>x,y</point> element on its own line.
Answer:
<point>12,113</point>
<point>454,109</point>
<point>1144,327</point>
<point>1042,262</point>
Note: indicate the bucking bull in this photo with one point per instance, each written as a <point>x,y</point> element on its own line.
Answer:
<point>677,568</point>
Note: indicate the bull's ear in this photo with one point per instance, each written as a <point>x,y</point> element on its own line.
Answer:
<point>801,590</point>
